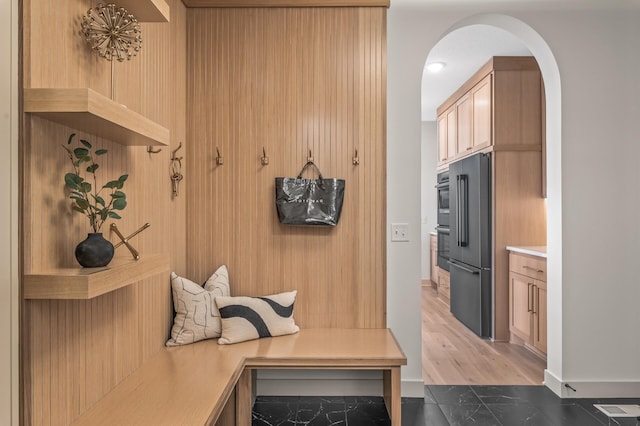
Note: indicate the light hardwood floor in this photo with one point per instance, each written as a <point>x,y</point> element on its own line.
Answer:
<point>453,355</point>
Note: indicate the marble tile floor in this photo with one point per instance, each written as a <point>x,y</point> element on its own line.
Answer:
<point>442,405</point>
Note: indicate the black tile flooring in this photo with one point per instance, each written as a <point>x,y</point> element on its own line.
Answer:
<point>442,406</point>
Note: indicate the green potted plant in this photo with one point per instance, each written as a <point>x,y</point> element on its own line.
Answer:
<point>97,203</point>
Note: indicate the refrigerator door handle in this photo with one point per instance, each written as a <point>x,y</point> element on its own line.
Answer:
<point>464,211</point>
<point>471,271</point>
<point>458,210</point>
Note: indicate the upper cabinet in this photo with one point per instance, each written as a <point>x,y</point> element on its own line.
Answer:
<point>464,124</point>
<point>505,90</point>
<point>481,113</point>
<point>442,138</point>
<point>447,135</point>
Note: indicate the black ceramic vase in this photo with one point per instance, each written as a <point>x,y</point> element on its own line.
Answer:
<point>95,251</point>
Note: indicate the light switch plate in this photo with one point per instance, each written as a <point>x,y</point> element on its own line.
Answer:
<point>400,232</point>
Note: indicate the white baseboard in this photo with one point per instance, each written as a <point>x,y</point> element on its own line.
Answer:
<point>412,388</point>
<point>552,382</point>
<point>591,389</point>
<point>328,383</point>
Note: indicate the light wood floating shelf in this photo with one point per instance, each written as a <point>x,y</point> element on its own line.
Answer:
<point>87,283</point>
<point>89,111</point>
<point>147,10</point>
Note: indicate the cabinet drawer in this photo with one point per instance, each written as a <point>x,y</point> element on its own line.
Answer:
<point>530,266</point>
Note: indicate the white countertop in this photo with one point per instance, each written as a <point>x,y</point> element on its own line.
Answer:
<point>540,251</point>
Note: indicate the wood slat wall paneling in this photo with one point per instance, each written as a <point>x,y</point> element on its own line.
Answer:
<point>291,80</point>
<point>76,351</point>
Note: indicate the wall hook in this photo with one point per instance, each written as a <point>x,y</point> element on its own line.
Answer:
<point>174,152</point>
<point>219,158</point>
<point>176,170</point>
<point>150,150</point>
<point>264,160</point>
<point>310,157</point>
<point>355,160</point>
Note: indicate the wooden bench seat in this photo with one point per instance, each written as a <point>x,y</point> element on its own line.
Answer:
<point>206,383</point>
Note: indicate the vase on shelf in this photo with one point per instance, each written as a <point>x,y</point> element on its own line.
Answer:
<point>95,251</point>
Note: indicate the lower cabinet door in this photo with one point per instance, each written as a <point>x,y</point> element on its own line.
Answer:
<point>521,305</point>
<point>443,285</point>
<point>434,259</point>
<point>540,317</point>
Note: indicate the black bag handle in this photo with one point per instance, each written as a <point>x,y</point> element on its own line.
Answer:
<point>309,163</point>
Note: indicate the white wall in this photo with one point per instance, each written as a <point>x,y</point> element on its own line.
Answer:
<point>9,297</point>
<point>428,193</point>
<point>594,290</point>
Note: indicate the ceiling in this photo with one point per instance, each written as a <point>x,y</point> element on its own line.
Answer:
<point>464,51</point>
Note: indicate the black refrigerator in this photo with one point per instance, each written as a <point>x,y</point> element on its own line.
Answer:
<point>470,242</point>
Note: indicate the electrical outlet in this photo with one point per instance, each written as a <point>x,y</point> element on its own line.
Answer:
<point>400,232</point>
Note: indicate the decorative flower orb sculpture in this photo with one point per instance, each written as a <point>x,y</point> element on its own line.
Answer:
<point>112,32</point>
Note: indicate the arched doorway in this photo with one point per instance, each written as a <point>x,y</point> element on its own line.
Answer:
<point>551,76</point>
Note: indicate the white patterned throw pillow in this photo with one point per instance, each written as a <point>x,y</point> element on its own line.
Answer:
<point>197,316</point>
<point>248,318</point>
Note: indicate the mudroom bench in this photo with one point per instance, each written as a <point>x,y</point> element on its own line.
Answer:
<point>209,384</point>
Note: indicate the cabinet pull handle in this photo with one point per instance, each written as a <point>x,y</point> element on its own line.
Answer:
<point>529,301</point>
<point>532,269</point>
<point>469,148</point>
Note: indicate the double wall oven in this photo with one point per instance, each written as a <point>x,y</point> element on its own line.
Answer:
<point>442,230</point>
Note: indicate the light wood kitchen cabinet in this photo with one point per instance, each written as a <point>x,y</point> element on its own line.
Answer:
<point>452,133</point>
<point>464,118</point>
<point>433,242</point>
<point>442,139</point>
<point>448,135</point>
<point>439,277</point>
<point>528,302</point>
<point>500,106</point>
<point>539,337</point>
<point>481,111</point>
<point>444,287</point>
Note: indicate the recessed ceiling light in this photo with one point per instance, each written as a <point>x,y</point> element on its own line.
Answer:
<point>435,67</point>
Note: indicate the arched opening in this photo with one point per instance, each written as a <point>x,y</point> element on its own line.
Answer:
<point>538,48</point>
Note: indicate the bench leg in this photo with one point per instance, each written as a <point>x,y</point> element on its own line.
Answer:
<point>245,397</point>
<point>392,394</point>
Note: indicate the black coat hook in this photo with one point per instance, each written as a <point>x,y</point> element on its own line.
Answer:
<point>264,160</point>
<point>355,160</point>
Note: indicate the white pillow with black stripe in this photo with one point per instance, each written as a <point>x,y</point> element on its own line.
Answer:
<point>197,317</point>
<point>248,318</point>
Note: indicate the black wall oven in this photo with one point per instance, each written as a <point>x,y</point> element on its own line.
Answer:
<point>442,230</point>
<point>442,188</point>
<point>443,247</point>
